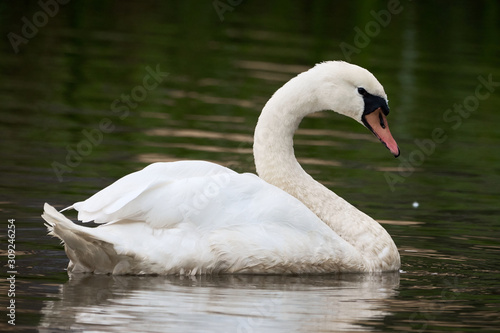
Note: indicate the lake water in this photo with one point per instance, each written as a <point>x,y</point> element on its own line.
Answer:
<point>77,113</point>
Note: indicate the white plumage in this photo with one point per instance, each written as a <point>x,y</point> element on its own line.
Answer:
<point>196,217</point>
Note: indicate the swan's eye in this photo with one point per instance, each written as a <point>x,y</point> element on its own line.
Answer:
<point>362,91</point>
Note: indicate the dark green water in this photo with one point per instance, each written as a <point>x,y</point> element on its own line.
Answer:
<point>70,79</point>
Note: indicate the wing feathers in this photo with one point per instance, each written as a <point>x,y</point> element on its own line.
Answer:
<point>156,194</point>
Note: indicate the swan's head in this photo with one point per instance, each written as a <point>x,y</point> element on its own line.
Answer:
<point>353,91</point>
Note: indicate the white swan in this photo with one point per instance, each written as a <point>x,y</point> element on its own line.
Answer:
<point>195,217</point>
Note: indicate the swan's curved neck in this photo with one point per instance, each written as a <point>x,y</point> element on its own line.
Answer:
<point>274,155</point>
<point>273,140</point>
<point>276,163</point>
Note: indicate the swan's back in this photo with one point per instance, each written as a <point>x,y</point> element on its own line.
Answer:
<point>197,217</point>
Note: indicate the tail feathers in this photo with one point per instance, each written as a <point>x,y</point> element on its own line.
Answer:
<point>86,252</point>
<point>55,219</point>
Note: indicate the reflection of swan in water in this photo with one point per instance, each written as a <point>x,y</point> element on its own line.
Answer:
<point>218,303</point>
<point>195,217</point>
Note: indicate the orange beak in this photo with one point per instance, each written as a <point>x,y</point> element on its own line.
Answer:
<point>377,123</point>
